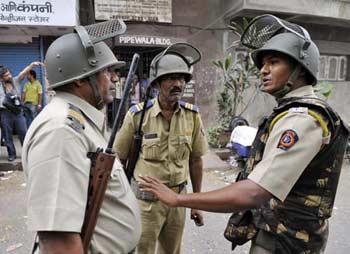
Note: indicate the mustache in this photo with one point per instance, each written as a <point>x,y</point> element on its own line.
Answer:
<point>175,89</point>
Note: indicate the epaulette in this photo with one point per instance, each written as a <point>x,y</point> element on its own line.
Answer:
<point>189,106</point>
<point>138,107</point>
<point>75,118</point>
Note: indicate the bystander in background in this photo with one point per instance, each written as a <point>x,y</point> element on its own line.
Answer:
<point>31,97</point>
<point>12,118</point>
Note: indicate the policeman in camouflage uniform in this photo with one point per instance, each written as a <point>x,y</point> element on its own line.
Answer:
<point>55,154</point>
<point>291,177</point>
<point>172,145</point>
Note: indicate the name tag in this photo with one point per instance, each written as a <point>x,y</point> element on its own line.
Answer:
<point>150,135</point>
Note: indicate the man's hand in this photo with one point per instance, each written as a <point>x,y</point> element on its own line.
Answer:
<point>38,107</point>
<point>197,217</point>
<point>161,191</point>
<point>36,63</point>
<point>24,72</point>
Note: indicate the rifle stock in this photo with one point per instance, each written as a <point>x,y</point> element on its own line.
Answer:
<point>101,168</point>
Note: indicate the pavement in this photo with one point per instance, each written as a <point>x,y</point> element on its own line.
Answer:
<point>211,161</point>
<point>6,165</point>
<point>14,237</point>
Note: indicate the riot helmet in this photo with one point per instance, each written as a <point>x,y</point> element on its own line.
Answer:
<point>177,58</point>
<point>268,33</point>
<point>80,55</point>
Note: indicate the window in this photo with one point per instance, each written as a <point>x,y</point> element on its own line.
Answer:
<point>342,68</point>
<point>332,68</point>
<point>322,70</point>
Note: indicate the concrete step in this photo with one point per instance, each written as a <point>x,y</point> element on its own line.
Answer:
<point>6,165</point>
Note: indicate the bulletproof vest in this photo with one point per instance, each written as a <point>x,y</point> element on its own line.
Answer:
<point>299,223</point>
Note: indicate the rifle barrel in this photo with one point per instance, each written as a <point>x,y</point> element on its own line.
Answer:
<point>127,89</point>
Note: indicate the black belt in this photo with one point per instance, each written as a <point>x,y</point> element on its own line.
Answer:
<point>178,188</point>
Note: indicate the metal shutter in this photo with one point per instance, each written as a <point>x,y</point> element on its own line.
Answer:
<point>18,56</point>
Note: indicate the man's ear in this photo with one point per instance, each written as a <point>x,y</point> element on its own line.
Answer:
<point>302,70</point>
<point>80,83</point>
<point>157,85</point>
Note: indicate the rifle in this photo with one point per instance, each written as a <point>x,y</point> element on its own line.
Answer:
<point>135,147</point>
<point>101,168</point>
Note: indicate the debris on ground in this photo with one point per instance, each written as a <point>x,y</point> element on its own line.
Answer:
<point>4,175</point>
<point>14,247</point>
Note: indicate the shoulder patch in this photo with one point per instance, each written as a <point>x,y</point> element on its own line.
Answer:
<point>288,139</point>
<point>75,118</point>
<point>138,107</point>
<point>189,106</point>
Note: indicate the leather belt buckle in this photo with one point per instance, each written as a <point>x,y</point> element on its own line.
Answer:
<point>178,188</point>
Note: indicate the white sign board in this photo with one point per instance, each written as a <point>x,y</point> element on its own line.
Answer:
<point>38,12</point>
<point>138,10</point>
<point>144,40</point>
<point>189,92</point>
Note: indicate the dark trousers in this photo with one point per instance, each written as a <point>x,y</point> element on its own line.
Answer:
<point>11,122</point>
<point>29,112</point>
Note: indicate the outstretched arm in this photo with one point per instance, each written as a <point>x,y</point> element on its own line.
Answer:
<point>24,72</point>
<point>238,196</point>
<point>196,175</point>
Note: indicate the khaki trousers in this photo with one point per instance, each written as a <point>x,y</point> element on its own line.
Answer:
<point>162,228</point>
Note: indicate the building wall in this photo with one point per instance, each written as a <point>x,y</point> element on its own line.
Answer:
<point>328,25</point>
<point>203,23</point>
<point>197,22</point>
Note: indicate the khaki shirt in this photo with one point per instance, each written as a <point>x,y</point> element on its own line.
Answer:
<point>166,146</point>
<point>57,169</point>
<point>280,169</point>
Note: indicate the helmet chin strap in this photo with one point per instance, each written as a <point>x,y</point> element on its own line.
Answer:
<point>98,99</point>
<point>288,86</point>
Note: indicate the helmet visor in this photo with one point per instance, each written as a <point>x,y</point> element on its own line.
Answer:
<point>105,30</point>
<point>264,27</point>
<point>190,54</point>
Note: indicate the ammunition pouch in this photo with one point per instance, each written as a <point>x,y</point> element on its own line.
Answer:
<point>148,196</point>
<point>240,228</point>
<point>142,195</point>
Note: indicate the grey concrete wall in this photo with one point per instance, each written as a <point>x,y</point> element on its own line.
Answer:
<point>328,24</point>
<point>198,22</point>
<point>340,99</point>
<point>201,22</point>
<point>317,8</point>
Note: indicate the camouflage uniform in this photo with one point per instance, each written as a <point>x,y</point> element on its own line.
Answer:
<point>298,223</point>
<point>298,152</point>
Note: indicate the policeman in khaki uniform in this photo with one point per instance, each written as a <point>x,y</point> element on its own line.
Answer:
<point>286,192</point>
<point>55,155</point>
<point>172,145</point>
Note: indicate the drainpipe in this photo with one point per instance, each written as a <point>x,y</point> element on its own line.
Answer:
<point>42,58</point>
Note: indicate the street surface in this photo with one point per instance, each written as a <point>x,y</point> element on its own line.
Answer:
<point>14,238</point>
